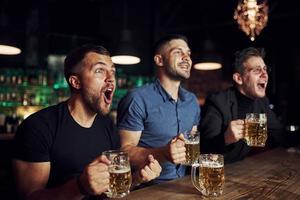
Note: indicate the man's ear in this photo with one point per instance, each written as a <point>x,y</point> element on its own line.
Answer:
<point>237,77</point>
<point>158,60</point>
<point>74,82</point>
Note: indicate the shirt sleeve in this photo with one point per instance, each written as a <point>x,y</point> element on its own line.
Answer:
<point>32,141</point>
<point>131,113</point>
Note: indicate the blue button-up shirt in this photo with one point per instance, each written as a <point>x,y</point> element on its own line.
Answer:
<point>153,111</point>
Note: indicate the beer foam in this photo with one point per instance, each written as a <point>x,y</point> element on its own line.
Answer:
<point>191,142</point>
<point>119,170</point>
<point>211,164</point>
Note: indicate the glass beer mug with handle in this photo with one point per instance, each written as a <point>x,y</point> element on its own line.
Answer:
<point>192,146</point>
<point>120,178</point>
<point>211,179</point>
<point>256,129</point>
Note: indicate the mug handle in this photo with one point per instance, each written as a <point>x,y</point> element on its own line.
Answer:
<point>194,177</point>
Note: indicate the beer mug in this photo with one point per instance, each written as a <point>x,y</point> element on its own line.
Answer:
<point>119,173</point>
<point>191,140</point>
<point>256,129</point>
<point>211,179</point>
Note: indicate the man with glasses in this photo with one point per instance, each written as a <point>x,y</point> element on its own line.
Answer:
<point>222,124</point>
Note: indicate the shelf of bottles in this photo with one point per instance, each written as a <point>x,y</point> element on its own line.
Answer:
<point>24,91</point>
<point>125,82</point>
<point>33,87</point>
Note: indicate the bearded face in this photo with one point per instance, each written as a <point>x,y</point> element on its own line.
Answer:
<point>98,82</point>
<point>177,60</point>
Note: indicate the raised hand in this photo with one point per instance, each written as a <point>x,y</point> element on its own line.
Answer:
<point>151,170</point>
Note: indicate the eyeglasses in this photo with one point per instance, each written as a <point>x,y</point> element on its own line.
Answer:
<point>258,70</point>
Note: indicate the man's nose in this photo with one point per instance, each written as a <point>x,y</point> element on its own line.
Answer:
<point>110,77</point>
<point>264,71</point>
<point>186,57</point>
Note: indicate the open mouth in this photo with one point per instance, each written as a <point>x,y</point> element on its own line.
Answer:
<point>261,85</point>
<point>108,95</point>
<point>184,65</point>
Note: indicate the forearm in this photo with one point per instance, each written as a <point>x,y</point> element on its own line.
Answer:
<point>69,190</point>
<point>139,155</point>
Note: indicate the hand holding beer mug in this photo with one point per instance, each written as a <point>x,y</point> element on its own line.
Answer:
<point>211,178</point>
<point>120,174</point>
<point>256,129</point>
<point>191,140</point>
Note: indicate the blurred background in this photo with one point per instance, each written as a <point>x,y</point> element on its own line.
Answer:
<point>47,30</point>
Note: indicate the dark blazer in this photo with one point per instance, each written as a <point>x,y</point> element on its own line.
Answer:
<point>218,111</point>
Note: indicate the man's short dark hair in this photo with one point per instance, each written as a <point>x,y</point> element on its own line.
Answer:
<point>73,59</point>
<point>244,55</point>
<point>167,38</point>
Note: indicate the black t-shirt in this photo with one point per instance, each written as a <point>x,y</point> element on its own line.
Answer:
<point>52,135</point>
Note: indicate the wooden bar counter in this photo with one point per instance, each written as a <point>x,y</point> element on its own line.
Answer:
<point>274,174</point>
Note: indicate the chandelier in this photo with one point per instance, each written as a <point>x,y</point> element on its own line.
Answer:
<point>252,16</point>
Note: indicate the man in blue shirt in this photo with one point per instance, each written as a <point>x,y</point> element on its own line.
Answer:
<point>151,118</point>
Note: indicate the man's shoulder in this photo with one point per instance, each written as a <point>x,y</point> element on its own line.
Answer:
<point>187,93</point>
<point>45,115</point>
<point>141,92</point>
<point>224,96</point>
<point>145,89</point>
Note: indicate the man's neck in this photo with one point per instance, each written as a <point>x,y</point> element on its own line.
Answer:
<point>242,92</point>
<point>171,86</point>
<point>80,112</point>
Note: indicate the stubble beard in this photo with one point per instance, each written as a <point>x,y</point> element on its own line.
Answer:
<point>95,104</point>
<point>176,75</point>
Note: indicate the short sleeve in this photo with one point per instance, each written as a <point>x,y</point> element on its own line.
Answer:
<point>131,113</point>
<point>33,140</point>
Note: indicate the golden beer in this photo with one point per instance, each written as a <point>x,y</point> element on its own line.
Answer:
<point>211,179</point>
<point>192,152</point>
<point>119,182</point>
<point>256,134</point>
<point>192,147</point>
<point>119,173</point>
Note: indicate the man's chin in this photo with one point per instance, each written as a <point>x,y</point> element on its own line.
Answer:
<point>260,94</point>
<point>104,110</point>
<point>183,77</point>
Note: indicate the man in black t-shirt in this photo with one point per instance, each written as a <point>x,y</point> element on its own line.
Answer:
<point>222,119</point>
<point>58,149</point>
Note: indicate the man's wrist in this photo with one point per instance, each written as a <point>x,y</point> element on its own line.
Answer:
<point>136,180</point>
<point>166,153</point>
<point>80,187</point>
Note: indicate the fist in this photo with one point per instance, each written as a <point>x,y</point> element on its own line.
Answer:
<point>235,131</point>
<point>151,170</point>
<point>177,150</point>
<point>95,177</point>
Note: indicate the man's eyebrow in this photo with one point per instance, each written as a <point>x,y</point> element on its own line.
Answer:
<point>261,66</point>
<point>180,48</point>
<point>99,62</point>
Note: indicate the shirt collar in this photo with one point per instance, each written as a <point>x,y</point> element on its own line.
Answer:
<point>165,95</point>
